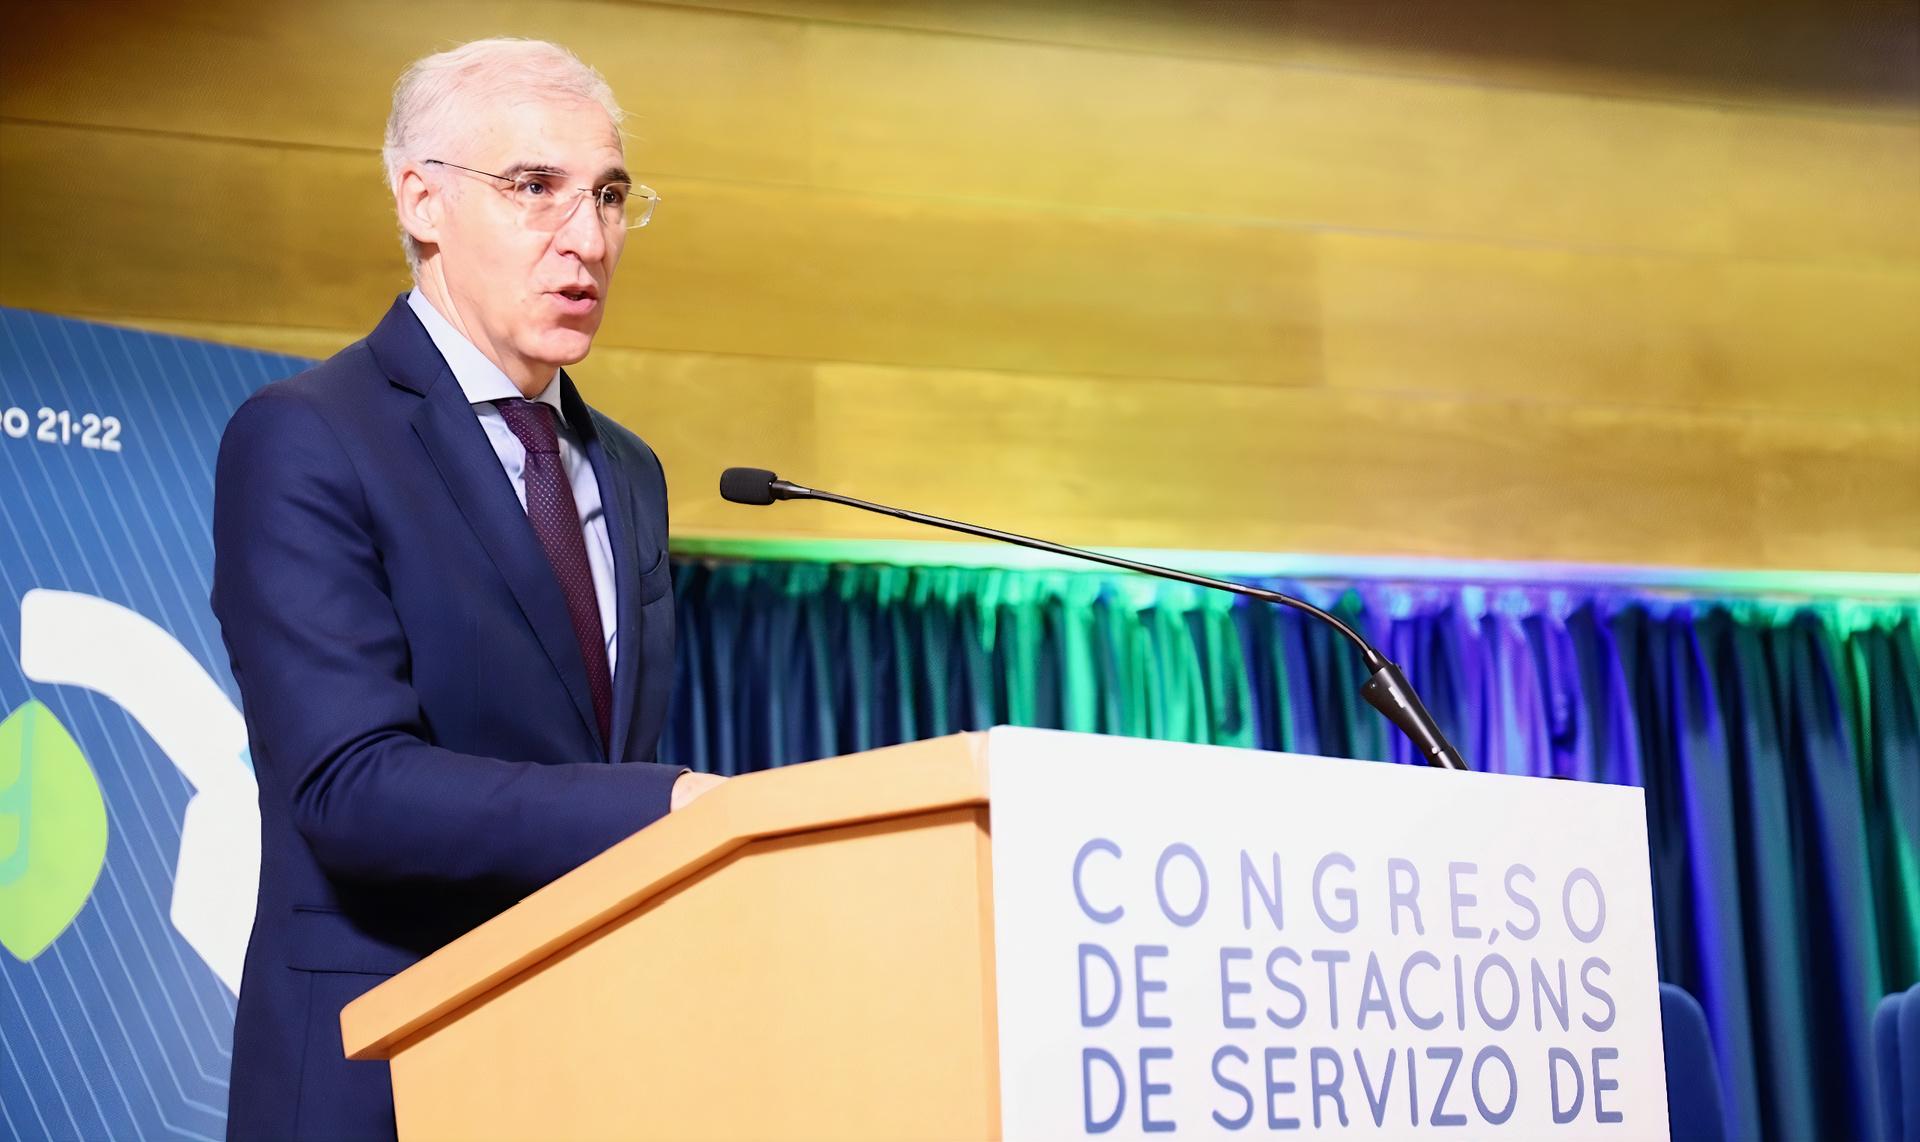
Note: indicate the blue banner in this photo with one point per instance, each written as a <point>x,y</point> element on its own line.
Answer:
<point>129,831</point>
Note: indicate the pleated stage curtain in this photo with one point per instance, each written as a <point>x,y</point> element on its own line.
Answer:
<point>1779,745</point>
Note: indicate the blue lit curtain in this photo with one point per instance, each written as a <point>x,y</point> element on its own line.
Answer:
<point>1779,745</point>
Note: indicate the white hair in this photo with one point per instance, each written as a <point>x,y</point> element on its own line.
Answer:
<point>439,94</point>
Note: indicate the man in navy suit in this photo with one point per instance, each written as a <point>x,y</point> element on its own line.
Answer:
<point>442,581</point>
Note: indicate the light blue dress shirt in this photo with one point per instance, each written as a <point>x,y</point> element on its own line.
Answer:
<point>483,382</point>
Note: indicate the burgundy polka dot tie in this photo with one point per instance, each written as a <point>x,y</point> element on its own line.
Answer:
<point>556,521</point>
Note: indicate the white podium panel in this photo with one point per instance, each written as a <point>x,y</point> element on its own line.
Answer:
<point>1222,943</point>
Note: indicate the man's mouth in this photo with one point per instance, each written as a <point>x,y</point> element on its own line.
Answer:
<point>576,302</point>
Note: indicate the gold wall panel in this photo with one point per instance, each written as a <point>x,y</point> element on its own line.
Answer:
<point>1620,327</point>
<point>741,269</point>
<point>723,95</point>
<point>1129,463</point>
<point>705,92</point>
<point>1488,281</point>
<point>1846,55</point>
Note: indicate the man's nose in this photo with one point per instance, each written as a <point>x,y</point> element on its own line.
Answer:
<point>582,234</point>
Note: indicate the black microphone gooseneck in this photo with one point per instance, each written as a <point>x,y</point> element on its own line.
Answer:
<point>1386,691</point>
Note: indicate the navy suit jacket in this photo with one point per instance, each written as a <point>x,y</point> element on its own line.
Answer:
<point>415,699</point>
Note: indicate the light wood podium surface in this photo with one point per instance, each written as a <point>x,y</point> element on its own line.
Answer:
<point>804,952</point>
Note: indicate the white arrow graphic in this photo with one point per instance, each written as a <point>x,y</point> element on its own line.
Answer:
<point>70,639</point>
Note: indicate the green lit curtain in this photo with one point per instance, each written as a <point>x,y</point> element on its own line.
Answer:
<point>1779,745</point>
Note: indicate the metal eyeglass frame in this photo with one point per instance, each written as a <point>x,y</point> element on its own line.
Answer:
<point>645,193</point>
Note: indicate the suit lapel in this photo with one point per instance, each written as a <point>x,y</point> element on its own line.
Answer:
<point>458,447</point>
<point>616,500</point>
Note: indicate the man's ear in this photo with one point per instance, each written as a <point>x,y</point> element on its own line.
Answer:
<point>422,206</point>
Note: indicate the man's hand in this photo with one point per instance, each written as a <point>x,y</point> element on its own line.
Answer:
<point>690,785</point>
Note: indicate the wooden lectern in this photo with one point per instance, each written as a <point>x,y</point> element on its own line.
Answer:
<point>803,952</point>
<point>1145,935</point>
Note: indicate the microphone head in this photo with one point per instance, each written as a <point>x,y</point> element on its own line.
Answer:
<point>747,485</point>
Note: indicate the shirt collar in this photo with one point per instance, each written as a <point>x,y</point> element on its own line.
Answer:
<point>480,379</point>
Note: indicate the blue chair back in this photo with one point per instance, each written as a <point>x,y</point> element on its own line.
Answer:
<point>1695,1112</point>
<point>1886,1065</point>
<point>1908,1066</point>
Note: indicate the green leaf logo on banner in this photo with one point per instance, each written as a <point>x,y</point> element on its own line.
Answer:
<point>53,830</point>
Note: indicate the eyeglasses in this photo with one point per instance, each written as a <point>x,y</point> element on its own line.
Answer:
<point>545,203</point>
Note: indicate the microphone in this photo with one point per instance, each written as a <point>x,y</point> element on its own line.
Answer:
<point>758,487</point>
<point>1387,690</point>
